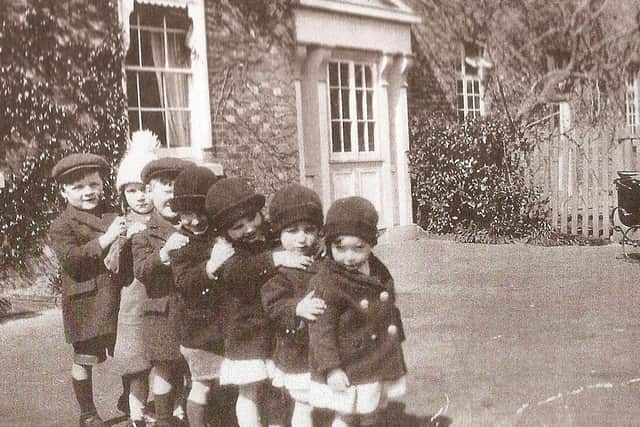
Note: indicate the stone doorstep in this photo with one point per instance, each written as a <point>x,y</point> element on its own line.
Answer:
<point>34,302</point>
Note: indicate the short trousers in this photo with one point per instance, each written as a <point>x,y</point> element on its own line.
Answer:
<point>204,365</point>
<point>94,351</point>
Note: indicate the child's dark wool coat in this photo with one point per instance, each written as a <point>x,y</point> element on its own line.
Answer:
<point>201,324</point>
<point>163,309</point>
<point>360,331</point>
<point>280,297</point>
<point>247,332</point>
<point>90,293</point>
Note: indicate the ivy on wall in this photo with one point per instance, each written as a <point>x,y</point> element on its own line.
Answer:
<point>61,92</point>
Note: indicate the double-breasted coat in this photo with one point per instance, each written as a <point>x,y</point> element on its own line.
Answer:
<point>361,330</point>
<point>90,292</point>
<point>162,309</point>
<point>247,332</point>
<point>201,323</point>
<point>280,297</point>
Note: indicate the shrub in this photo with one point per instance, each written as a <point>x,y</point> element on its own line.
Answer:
<point>468,179</point>
<point>60,92</point>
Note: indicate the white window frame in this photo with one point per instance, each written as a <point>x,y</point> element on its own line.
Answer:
<point>200,120</point>
<point>355,154</point>
<point>632,103</point>
<point>467,79</point>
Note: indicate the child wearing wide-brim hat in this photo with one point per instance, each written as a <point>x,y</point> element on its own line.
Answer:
<point>355,346</point>
<point>296,217</point>
<point>235,211</point>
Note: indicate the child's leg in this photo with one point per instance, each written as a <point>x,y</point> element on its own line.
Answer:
<point>82,378</point>
<point>197,403</point>
<point>179,375</point>
<point>163,392</point>
<point>275,404</point>
<point>247,409</point>
<point>301,415</point>
<point>138,394</point>
<point>341,420</point>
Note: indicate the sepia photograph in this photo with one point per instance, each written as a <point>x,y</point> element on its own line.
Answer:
<point>319,213</point>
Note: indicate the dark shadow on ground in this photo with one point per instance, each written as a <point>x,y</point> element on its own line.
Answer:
<point>394,416</point>
<point>116,420</point>
<point>19,315</point>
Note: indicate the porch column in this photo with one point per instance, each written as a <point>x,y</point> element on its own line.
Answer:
<point>399,132</point>
<point>313,126</point>
<point>385,66</point>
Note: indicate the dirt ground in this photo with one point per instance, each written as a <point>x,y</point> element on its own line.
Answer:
<point>507,335</point>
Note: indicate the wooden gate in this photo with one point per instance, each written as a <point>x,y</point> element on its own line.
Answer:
<point>577,175</point>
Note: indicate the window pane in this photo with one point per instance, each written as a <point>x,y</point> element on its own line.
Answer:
<point>345,104</point>
<point>476,86</point>
<point>368,76</point>
<point>370,136</point>
<point>179,128</point>
<point>346,133</point>
<point>459,86</point>
<point>358,71</point>
<point>370,105</point>
<point>359,101</point>
<point>133,57</point>
<point>470,102</point>
<point>177,18</point>
<point>335,137</point>
<point>132,91</point>
<point>179,54</point>
<point>333,74</point>
<point>150,15</point>
<point>134,122</point>
<point>344,75</point>
<point>152,45</point>
<point>361,137</point>
<point>150,89</point>
<point>460,102</point>
<point>335,103</point>
<point>154,121</point>
<point>177,87</point>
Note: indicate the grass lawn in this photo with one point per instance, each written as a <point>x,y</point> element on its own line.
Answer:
<point>510,335</point>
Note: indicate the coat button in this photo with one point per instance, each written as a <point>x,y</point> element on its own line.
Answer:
<point>374,337</point>
<point>384,296</point>
<point>392,330</point>
<point>364,304</point>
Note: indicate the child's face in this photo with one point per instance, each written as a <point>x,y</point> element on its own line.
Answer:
<point>350,251</point>
<point>137,198</point>
<point>84,193</point>
<point>161,191</point>
<point>246,229</point>
<point>196,223</point>
<point>300,237</point>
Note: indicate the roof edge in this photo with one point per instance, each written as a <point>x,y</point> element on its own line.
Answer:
<point>403,15</point>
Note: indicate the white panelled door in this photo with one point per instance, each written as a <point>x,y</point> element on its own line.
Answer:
<point>355,160</point>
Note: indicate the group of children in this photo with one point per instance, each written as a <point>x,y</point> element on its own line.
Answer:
<point>190,281</point>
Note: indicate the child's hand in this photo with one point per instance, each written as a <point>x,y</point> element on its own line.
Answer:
<point>175,241</point>
<point>222,250</point>
<point>117,228</point>
<point>135,227</point>
<point>310,307</point>
<point>338,380</point>
<point>291,260</point>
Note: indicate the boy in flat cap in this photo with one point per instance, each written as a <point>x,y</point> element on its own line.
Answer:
<point>201,340</point>
<point>81,237</point>
<point>151,265</point>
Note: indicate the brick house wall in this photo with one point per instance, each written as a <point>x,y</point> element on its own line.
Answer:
<point>252,97</point>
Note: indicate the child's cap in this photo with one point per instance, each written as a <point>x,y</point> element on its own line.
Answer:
<point>139,153</point>
<point>352,216</point>
<point>77,161</point>
<point>190,189</point>
<point>167,166</point>
<point>230,199</point>
<point>294,203</point>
